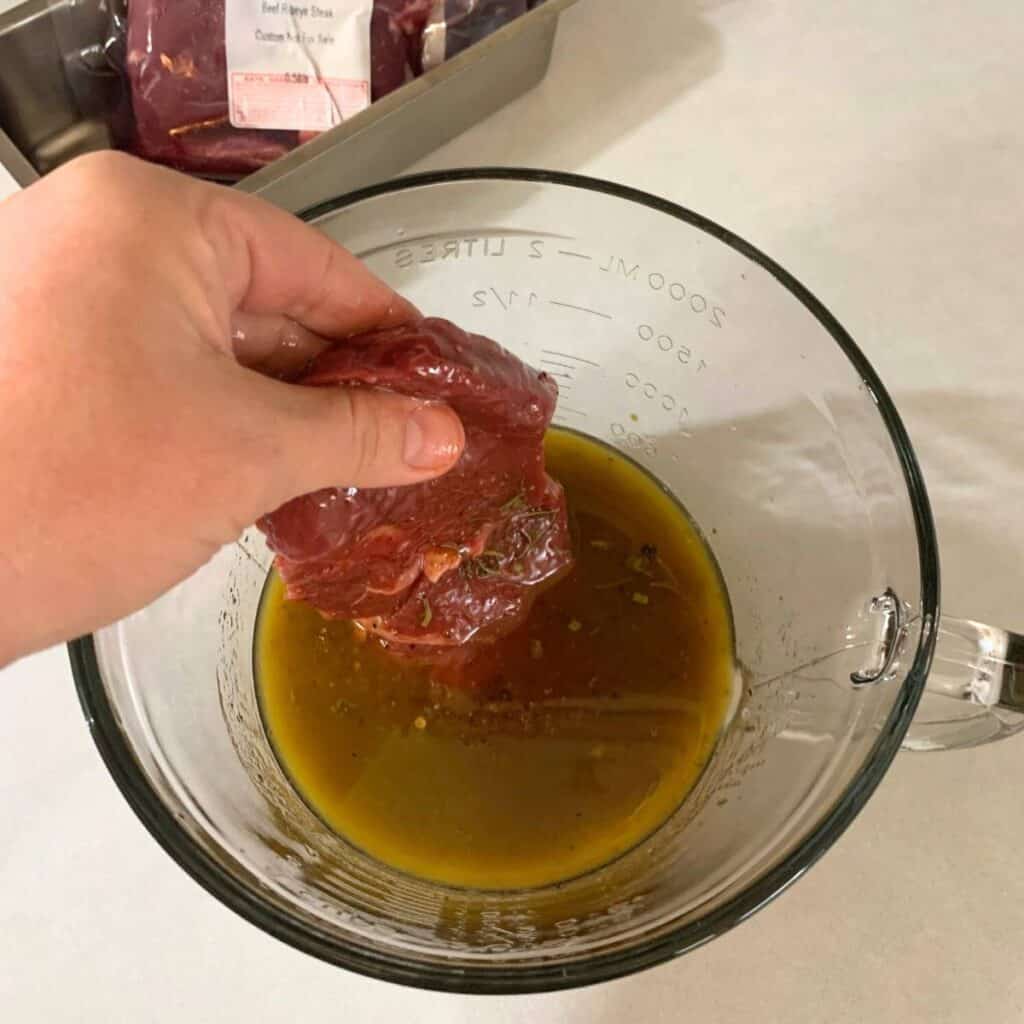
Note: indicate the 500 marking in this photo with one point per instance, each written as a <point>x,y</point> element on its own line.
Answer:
<point>632,441</point>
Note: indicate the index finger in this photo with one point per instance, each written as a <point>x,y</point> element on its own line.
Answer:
<point>275,264</point>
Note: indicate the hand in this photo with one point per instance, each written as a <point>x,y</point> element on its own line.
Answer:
<point>136,434</point>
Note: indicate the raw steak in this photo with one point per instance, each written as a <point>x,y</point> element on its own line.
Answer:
<point>396,34</point>
<point>434,563</point>
<point>177,74</point>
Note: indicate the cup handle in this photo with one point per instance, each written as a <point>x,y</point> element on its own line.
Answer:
<point>975,690</point>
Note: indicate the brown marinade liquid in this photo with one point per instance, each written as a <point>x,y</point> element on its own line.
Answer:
<point>545,754</point>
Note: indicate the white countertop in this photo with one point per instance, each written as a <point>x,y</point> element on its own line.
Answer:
<point>7,183</point>
<point>876,150</point>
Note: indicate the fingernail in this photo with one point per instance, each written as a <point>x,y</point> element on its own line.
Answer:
<point>433,438</point>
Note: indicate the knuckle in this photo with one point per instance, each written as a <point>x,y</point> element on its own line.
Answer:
<point>100,164</point>
<point>84,186</point>
<point>98,180</point>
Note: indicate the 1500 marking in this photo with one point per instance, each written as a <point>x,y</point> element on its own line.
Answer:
<point>667,344</point>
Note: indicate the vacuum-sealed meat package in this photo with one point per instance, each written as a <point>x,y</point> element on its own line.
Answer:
<point>434,564</point>
<point>455,25</point>
<point>223,87</point>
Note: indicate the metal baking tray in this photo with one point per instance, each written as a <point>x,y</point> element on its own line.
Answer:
<point>42,124</point>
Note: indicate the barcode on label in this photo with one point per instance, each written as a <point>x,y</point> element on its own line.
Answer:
<point>294,101</point>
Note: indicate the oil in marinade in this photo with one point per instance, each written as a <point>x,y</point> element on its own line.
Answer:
<point>545,754</point>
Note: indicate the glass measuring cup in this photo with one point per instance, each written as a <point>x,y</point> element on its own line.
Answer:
<point>725,378</point>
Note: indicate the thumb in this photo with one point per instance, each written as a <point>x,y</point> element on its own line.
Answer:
<point>351,437</point>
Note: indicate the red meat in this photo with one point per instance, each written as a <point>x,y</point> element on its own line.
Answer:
<point>396,38</point>
<point>177,73</point>
<point>438,562</point>
<point>176,65</point>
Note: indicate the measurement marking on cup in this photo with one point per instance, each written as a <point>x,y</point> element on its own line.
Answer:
<point>624,269</point>
<point>482,297</point>
<point>574,255</point>
<point>581,309</point>
<point>631,439</point>
<point>651,391</point>
<point>564,372</point>
<point>569,409</point>
<point>567,355</point>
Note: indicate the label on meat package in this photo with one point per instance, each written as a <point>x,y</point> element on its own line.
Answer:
<point>298,66</point>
